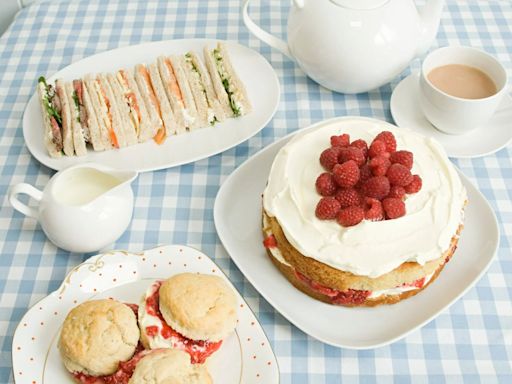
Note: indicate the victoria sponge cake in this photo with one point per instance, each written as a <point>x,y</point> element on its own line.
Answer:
<point>358,212</point>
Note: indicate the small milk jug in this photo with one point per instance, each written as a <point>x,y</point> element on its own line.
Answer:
<point>83,208</point>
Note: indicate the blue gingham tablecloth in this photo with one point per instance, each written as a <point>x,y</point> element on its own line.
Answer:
<point>470,342</point>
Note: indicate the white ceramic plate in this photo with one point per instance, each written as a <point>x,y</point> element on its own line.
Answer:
<point>237,215</point>
<point>496,134</point>
<point>244,357</point>
<point>256,73</point>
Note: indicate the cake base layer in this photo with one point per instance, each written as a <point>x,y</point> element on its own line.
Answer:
<point>290,274</point>
<point>334,286</point>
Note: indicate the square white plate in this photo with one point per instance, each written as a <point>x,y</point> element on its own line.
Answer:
<point>244,357</point>
<point>237,215</point>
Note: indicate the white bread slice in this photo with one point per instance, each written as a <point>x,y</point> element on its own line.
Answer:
<point>173,92</point>
<point>101,111</point>
<point>237,91</point>
<point>52,142</point>
<point>141,75</point>
<point>136,104</point>
<point>198,70</point>
<point>129,129</point>
<point>110,100</point>
<point>97,137</point>
<point>67,130</point>
<point>218,86</point>
<point>196,87</point>
<point>163,101</point>
<point>190,112</point>
<point>76,126</point>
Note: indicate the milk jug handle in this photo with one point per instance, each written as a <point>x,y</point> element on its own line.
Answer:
<point>26,189</point>
<point>264,36</point>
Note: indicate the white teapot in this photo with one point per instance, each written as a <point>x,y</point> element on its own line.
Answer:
<point>353,46</point>
<point>82,208</point>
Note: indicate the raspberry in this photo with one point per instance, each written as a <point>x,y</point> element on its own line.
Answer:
<point>351,297</point>
<point>350,216</point>
<point>329,158</point>
<point>393,207</point>
<point>340,141</point>
<point>389,139</point>
<point>376,148</point>
<point>348,197</point>
<point>379,165</point>
<point>402,157</point>
<point>347,174</point>
<point>361,144</point>
<point>396,191</point>
<point>374,211</point>
<point>325,184</point>
<point>270,242</point>
<point>327,208</point>
<point>351,153</point>
<point>415,185</point>
<point>399,175</point>
<point>365,172</point>
<point>376,187</point>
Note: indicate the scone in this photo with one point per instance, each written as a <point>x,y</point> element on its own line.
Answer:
<point>97,337</point>
<point>357,212</point>
<point>190,312</point>
<point>169,366</point>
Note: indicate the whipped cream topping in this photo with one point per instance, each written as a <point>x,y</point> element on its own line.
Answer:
<point>369,248</point>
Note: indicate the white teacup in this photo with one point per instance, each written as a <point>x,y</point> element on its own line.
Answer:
<point>456,115</point>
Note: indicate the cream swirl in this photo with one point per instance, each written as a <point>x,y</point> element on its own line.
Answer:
<point>369,248</point>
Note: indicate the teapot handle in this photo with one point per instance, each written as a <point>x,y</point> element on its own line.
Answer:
<point>264,36</point>
<point>27,189</point>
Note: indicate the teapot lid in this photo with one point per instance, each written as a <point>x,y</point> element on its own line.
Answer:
<point>360,4</point>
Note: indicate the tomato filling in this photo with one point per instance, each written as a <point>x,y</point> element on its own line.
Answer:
<point>199,350</point>
<point>125,369</point>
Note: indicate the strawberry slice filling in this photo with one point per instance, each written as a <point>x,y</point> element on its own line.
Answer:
<point>350,296</point>
<point>270,242</point>
<point>125,369</point>
<point>199,350</point>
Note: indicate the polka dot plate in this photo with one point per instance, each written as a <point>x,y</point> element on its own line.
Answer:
<point>244,357</point>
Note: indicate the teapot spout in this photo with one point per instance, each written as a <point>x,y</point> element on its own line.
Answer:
<point>430,17</point>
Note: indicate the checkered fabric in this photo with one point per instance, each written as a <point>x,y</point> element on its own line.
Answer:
<point>469,342</point>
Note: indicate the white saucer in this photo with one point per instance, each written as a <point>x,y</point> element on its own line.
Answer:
<point>495,135</point>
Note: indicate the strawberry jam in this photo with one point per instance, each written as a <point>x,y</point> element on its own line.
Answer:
<point>199,350</point>
<point>350,296</point>
<point>124,370</point>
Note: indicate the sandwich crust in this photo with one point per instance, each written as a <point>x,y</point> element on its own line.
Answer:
<point>51,146</point>
<point>200,307</point>
<point>169,366</point>
<point>97,335</point>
